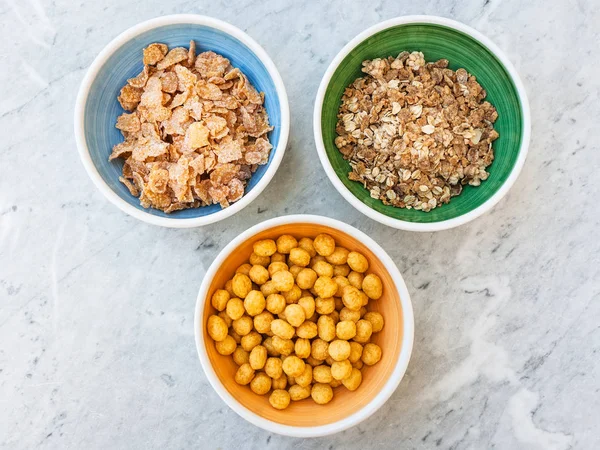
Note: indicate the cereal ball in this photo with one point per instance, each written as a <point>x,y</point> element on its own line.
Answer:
<point>358,364</point>
<point>365,299</point>
<point>291,381</point>
<point>306,278</point>
<point>275,303</point>
<point>341,369</point>
<point>229,289</point>
<point>321,393</point>
<point>227,346</point>
<point>322,374</point>
<point>302,348</point>
<point>339,350</point>
<point>325,287</point>
<point>240,356</point>
<point>235,308</point>
<point>352,382</point>
<point>244,374</point>
<point>258,357</point>
<point>323,269</point>
<point>329,361</point>
<point>358,262</point>
<point>223,315</point>
<point>259,274</point>
<point>244,269</point>
<point>376,320</point>
<point>319,349</point>
<point>298,392</point>
<point>241,285</point>
<point>338,257</point>
<point>339,304</point>
<point>324,305</point>
<point>268,344</point>
<point>268,288</point>
<point>315,259</point>
<point>242,326</point>
<point>362,311</point>
<point>217,328</point>
<point>349,314</point>
<point>341,282</point>
<point>341,270</point>
<point>364,329</point>
<point>277,257</point>
<point>372,286</point>
<point>276,267</point>
<point>335,383</point>
<point>236,337</point>
<point>273,367</point>
<point>282,329</point>
<point>293,366</point>
<point>307,330</point>
<point>356,279</point>
<point>307,244</point>
<point>356,351</point>
<point>312,361</point>
<point>352,298</point>
<point>279,383</point>
<point>219,299</point>
<point>265,247</point>
<point>371,354</point>
<point>254,303</point>
<point>306,378</point>
<point>314,317</point>
<point>295,315</point>
<point>251,340</point>
<point>324,245</point>
<point>261,384</point>
<point>283,346</point>
<point>283,280</point>
<point>299,257</point>
<point>295,270</point>
<point>326,328</point>
<point>279,399</point>
<point>335,316</point>
<point>286,243</point>
<point>308,305</point>
<point>293,295</point>
<point>257,260</point>
<point>345,329</point>
<point>262,322</point>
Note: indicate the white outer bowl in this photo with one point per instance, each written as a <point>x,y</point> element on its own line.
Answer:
<point>402,224</point>
<point>377,401</point>
<point>126,36</point>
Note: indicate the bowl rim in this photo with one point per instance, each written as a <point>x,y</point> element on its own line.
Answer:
<point>403,224</point>
<point>98,63</point>
<point>377,401</point>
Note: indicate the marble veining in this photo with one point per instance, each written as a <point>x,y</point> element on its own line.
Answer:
<point>96,308</point>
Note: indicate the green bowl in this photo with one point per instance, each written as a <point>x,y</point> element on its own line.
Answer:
<point>463,47</point>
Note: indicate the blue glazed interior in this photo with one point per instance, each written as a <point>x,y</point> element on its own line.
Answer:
<point>102,107</point>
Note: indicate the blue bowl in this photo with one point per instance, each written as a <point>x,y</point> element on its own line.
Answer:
<point>97,108</point>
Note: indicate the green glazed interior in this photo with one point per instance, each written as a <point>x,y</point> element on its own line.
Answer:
<point>461,50</point>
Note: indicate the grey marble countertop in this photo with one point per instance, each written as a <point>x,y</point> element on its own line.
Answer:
<point>96,308</point>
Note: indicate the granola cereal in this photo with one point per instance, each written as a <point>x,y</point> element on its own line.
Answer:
<point>416,132</point>
<point>195,130</point>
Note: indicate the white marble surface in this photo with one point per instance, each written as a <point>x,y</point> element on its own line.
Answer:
<point>96,336</point>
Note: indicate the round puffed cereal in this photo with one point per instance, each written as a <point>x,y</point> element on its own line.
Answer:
<point>335,316</point>
<point>277,257</point>
<point>324,305</point>
<point>279,383</point>
<point>358,262</point>
<point>356,279</point>
<point>341,369</point>
<point>341,270</point>
<point>324,245</point>
<point>293,366</point>
<point>299,257</point>
<point>325,287</point>
<point>258,357</point>
<point>313,362</point>
<point>306,377</point>
<point>283,280</point>
<point>271,350</point>
<point>251,340</point>
<point>356,351</point>
<point>302,348</point>
<point>341,282</point>
<point>219,299</point>
<point>261,384</point>
<point>326,328</point>
<point>217,328</point>
<point>244,269</point>
<point>229,289</point>
<point>307,330</point>
<point>279,399</point>
<point>255,303</point>
<point>352,382</point>
<point>295,270</point>
<point>285,243</point>
<point>358,364</point>
<point>259,274</point>
<point>223,315</point>
<point>308,305</point>
<point>240,356</point>
<point>314,317</point>
<point>329,361</point>
<point>339,256</point>
<point>282,329</point>
<point>298,392</point>
<point>291,380</point>
<point>306,278</point>
<point>268,288</point>
<point>235,308</point>
<point>259,260</point>
<point>319,349</point>
<point>295,315</point>
<point>362,311</point>
<point>293,295</point>
<point>376,320</point>
<point>364,329</point>
<point>365,299</point>
<point>322,374</point>
<point>371,354</point>
<point>339,304</point>
<point>315,259</point>
<point>273,367</point>
<point>307,244</point>
<point>236,337</point>
<point>372,286</point>
<point>276,303</point>
<point>323,269</point>
<point>335,383</point>
<point>283,346</point>
<point>339,350</point>
<point>265,247</point>
<point>321,393</point>
<point>349,314</point>
<point>345,329</point>
<point>262,322</point>
<point>352,298</point>
<point>276,267</point>
<point>241,285</point>
<point>244,374</point>
<point>227,346</point>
